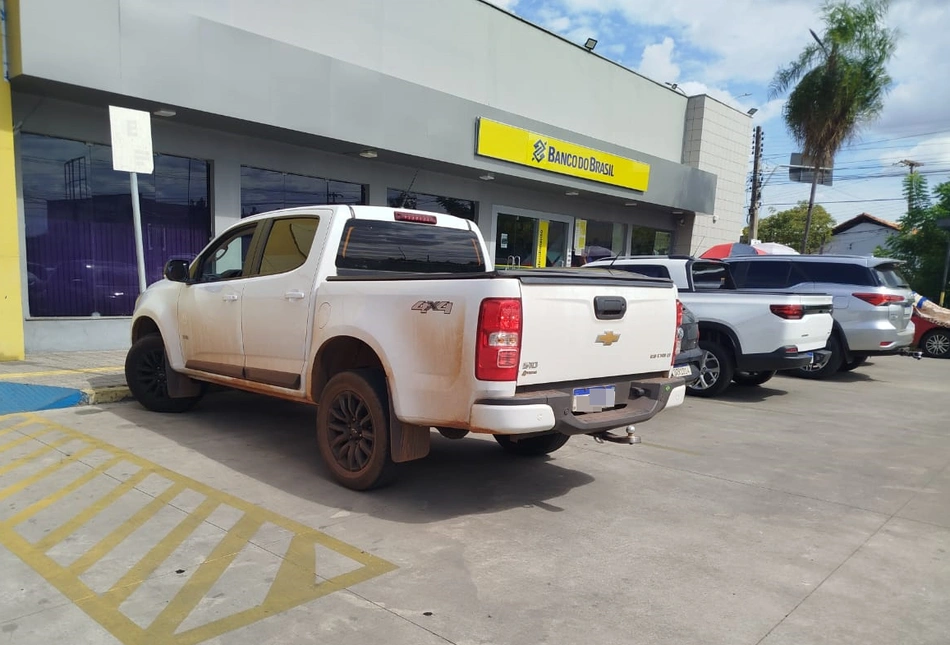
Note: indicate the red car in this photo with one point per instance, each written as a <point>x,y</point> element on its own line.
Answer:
<point>933,340</point>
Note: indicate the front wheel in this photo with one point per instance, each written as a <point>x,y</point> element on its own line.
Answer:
<point>353,429</point>
<point>936,343</point>
<point>146,376</point>
<point>827,366</point>
<point>751,379</point>
<point>532,446</point>
<point>716,370</point>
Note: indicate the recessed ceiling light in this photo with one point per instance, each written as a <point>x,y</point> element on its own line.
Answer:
<point>630,204</point>
<point>572,193</point>
<point>677,212</point>
<point>369,154</point>
<point>487,176</point>
<point>166,112</point>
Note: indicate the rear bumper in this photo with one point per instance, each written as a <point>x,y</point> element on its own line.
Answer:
<point>882,338</point>
<point>544,410</point>
<point>776,361</point>
<point>691,358</point>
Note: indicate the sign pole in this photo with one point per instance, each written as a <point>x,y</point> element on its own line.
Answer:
<point>137,223</point>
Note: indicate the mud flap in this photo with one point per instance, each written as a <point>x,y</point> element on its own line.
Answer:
<point>407,442</point>
<point>180,386</point>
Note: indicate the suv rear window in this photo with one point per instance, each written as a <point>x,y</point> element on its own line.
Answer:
<point>648,270</point>
<point>836,273</point>
<point>712,275</point>
<point>890,276</point>
<point>405,247</point>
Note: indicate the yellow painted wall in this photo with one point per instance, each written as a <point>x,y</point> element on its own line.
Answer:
<point>11,297</point>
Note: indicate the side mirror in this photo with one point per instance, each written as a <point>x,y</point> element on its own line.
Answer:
<point>177,270</point>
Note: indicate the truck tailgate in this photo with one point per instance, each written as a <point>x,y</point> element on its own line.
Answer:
<point>574,329</point>
<point>813,329</point>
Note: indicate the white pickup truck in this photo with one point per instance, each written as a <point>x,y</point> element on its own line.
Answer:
<point>746,336</point>
<point>394,322</point>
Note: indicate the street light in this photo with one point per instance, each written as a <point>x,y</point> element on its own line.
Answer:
<point>944,223</point>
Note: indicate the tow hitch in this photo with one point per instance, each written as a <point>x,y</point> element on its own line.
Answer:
<point>606,435</point>
<point>913,353</point>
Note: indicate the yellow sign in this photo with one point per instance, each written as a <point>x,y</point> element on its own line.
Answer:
<point>580,235</point>
<point>508,143</point>
<point>541,257</point>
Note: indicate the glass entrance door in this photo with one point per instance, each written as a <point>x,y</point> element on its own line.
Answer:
<point>525,241</point>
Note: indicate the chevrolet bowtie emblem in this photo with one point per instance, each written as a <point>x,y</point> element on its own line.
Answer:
<point>608,338</point>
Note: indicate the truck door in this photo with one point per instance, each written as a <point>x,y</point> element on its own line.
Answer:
<point>277,307</point>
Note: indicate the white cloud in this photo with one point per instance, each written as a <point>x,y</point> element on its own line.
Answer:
<point>657,62</point>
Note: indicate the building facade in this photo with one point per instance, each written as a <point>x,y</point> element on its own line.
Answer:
<point>860,235</point>
<point>453,106</point>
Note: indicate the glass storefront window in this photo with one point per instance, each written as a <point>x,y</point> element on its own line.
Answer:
<point>650,241</point>
<point>463,208</point>
<point>524,241</point>
<point>268,190</point>
<point>80,243</point>
<point>597,240</point>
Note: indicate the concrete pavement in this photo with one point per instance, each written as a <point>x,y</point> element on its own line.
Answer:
<point>794,513</point>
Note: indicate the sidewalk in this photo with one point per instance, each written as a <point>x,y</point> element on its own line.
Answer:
<point>60,380</point>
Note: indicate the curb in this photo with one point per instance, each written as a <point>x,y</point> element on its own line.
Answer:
<point>98,396</point>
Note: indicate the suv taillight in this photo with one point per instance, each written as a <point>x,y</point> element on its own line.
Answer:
<point>677,332</point>
<point>878,299</point>
<point>788,312</point>
<point>499,340</point>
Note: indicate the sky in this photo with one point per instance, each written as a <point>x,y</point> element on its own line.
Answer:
<point>731,49</point>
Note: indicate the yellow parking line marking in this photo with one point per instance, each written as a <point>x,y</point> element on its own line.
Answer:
<point>296,581</point>
<point>39,452</point>
<point>82,370</point>
<point>124,530</point>
<point>204,578</point>
<point>52,498</point>
<point>64,531</point>
<point>15,426</point>
<point>24,439</point>
<point>131,581</point>
<point>12,489</point>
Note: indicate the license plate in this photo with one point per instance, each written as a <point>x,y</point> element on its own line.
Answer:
<point>594,399</point>
<point>682,370</point>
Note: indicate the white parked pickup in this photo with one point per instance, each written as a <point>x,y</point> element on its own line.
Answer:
<point>394,322</point>
<point>746,336</point>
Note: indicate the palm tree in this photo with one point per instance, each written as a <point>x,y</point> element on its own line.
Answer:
<point>839,83</point>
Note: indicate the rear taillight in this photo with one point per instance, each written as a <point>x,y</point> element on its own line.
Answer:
<point>499,340</point>
<point>878,299</point>
<point>678,332</point>
<point>788,312</point>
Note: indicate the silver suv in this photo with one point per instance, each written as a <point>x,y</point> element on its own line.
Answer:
<point>872,301</point>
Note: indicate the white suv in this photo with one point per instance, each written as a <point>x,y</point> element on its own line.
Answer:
<point>872,302</point>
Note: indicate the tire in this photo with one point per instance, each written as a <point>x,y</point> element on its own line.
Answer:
<point>853,365</point>
<point>716,370</point>
<point>353,429</point>
<point>145,366</point>
<point>936,343</point>
<point>533,446</point>
<point>752,379</point>
<point>827,369</point>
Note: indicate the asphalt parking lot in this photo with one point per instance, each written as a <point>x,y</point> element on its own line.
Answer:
<point>798,512</point>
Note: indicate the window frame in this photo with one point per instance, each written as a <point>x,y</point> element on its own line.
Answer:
<point>251,261</point>
<point>268,227</point>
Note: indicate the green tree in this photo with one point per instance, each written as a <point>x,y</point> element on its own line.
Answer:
<point>788,226</point>
<point>921,244</point>
<point>837,84</point>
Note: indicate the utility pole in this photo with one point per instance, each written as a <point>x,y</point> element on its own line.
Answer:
<point>756,186</point>
<point>913,165</point>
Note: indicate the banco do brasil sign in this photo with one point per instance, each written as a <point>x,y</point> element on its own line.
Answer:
<point>515,145</point>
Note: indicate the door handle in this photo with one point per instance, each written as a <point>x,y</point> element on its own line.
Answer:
<point>294,295</point>
<point>229,297</point>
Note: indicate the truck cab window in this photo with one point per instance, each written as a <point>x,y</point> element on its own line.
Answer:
<point>228,259</point>
<point>288,244</point>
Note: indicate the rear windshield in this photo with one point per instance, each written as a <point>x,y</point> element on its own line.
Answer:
<point>890,276</point>
<point>648,270</point>
<point>407,247</point>
<point>711,275</point>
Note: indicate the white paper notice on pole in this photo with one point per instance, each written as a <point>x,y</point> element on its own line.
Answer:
<point>131,140</point>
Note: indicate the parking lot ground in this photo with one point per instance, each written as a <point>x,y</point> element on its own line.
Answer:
<point>798,512</point>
